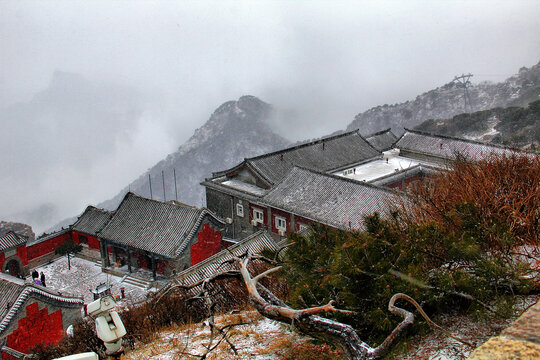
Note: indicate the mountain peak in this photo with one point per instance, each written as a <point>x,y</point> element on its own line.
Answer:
<point>236,129</point>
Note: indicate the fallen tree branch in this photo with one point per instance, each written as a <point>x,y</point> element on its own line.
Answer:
<point>306,321</point>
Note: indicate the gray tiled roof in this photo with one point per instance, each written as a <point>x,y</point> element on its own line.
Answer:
<point>92,220</point>
<point>162,228</point>
<point>322,155</point>
<point>11,240</point>
<point>15,292</point>
<point>255,243</point>
<point>382,140</point>
<point>10,291</point>
<point>445,147</point>
<point>328,199</point>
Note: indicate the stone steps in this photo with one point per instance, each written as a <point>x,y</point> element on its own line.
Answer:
<point>138,282</point>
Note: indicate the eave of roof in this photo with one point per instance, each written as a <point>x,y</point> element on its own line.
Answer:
<point>11,240</point>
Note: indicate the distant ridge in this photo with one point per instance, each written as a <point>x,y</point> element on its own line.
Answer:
<point>447,101</point>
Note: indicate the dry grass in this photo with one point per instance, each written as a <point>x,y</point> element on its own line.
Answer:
<point>504,190</point>
<point>259,338</point>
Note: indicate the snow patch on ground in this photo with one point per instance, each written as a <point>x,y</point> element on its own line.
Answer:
<point>83,277</point>
<point>488,134</point>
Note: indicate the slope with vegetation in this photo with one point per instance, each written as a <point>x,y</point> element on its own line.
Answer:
<point>448,100</point>
<point>512,126</point>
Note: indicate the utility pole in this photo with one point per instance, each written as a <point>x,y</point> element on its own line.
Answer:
<point>464,81</point>
<point>175,188</point>
<point>163,179</point>
<point>150,183</point>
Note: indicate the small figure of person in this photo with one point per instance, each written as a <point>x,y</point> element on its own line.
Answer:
<point>36,280</point>
<point>35,274</point>
<point>42,278</point>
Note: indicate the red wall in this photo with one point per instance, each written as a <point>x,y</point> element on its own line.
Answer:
<point>300,220</point>
<point>284,215</point>
<point>265,216</point>
<point>160,267</point>
<point>2,261</point>
<point>23,254</point>
<point>37,327</point>
<point>405,182</point>
<point>93,242</point>
<point>142,260</point>
<point>208,244</point>
<point>47,247</point>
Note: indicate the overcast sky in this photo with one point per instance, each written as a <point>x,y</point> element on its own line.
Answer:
<point>324,61</point>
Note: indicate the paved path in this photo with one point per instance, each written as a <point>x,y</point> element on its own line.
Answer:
<point>519,341</point>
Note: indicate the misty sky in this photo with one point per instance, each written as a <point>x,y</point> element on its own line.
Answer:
<point>171,63</point>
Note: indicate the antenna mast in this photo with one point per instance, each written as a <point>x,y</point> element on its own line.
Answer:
<point>464,81</point>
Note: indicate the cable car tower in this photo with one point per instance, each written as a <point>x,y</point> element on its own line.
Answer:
<point>464,81</point>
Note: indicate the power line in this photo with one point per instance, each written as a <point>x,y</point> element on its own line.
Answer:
<point>464,80</point>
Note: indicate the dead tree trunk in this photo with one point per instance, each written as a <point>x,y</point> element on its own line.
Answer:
<point>307,321</point>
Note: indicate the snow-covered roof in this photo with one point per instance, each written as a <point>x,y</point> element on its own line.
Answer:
<point>245,187</point>
<point>445,147</point>
<point>382,140</point>
<point>328,199</point>
<point>410,172</point>
<point>323,155</point>
<point>161,228</point>
<point>390,163</point>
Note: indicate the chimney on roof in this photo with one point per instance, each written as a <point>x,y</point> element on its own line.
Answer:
<point>323,144</point>
<point>281,157</point>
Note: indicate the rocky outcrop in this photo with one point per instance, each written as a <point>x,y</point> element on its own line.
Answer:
<point>19,228</point>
